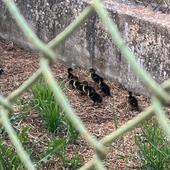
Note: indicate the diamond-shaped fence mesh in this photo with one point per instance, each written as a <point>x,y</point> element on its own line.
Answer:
<point>160,96</point>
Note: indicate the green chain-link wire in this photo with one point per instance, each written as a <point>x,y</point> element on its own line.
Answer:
<point>160,96</point>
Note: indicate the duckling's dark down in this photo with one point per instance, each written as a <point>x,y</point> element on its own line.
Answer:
<point>76,82</point>
<point>104,88</point>
<point>95,77</point>
<point>133,102</point>
<point>70,73</point>
<point>71,77</point>
<point>1,71</point>
<point>71,82</point>
<point>78,85</point>
<point>87,89</point>
<point>95,97</point>
<point>91,92</point>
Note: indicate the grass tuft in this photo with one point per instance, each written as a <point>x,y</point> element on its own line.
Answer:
<point>52,113</point>
<point>153,145</point>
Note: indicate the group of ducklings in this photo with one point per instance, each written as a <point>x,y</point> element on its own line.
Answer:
<point>85,89</point>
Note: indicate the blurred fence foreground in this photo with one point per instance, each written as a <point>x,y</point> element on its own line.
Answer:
<point>160,97</point>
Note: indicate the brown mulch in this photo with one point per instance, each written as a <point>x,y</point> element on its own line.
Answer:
<point>100,121</point>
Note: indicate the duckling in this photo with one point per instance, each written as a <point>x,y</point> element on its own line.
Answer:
<point>76,82</point>
<point>80,88</point>
<point>71,77</point>
<point>1,71</point>
<point>133,102</point>
<point>71,81</point>
<point>91,93</point>
<point>95,97</point>
<point>94,76</point>
<point>104,88</point>
<point>87,89</point>
<point>70,74</point>
<point>78,85</point>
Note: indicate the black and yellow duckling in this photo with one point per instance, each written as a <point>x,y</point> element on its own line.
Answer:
<point>87,89</point>
<point>70,73</point>
<point>71,82</point>
<point>78,85</point>
<point>91,93</point>
<point>133,102</point>
<point>76,82</point>
<point>104,88</point>
<point>1,71</point>
<point>96,78</point>
<point>71,77</point>
<point>95,97</point>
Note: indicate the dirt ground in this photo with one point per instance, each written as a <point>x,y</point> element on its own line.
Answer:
<point>100,121</point>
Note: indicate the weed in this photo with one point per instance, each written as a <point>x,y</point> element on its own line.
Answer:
<point>23,137</point>
<point>9,159</point>
<point>58,147</point>
<point>153,146</point>
<point>13,120</point>
<point>55,147</point>
<point>74,163</point>
<point>56,121</point>
<point>48,109</point>
<point>72,133</point>
<point>51,112</point>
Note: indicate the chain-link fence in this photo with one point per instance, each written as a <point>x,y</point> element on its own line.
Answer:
<point>160,96</point>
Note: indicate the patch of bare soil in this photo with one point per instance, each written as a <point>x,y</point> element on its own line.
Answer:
<point>100,121</point>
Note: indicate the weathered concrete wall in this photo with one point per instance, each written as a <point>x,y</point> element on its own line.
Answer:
<point>146,32</point>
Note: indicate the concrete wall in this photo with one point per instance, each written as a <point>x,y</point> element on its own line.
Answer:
<point>147,33</point>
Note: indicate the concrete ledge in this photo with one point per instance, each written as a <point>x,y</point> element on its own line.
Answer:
<point>146,32</point>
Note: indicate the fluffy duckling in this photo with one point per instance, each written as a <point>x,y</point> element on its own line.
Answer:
<point>71,77</point>
<point>96,78</point>
<point>87,89</point>
<point>71,82</point>
<point>78,85</point>
<point>70,73</point>
<point>104,88</point>
<point>133,102</point>
<point>1,71</point>
<point>91,93</point>
<point>76,82</point>
<point>80,88</point>
<point>95,97</point>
